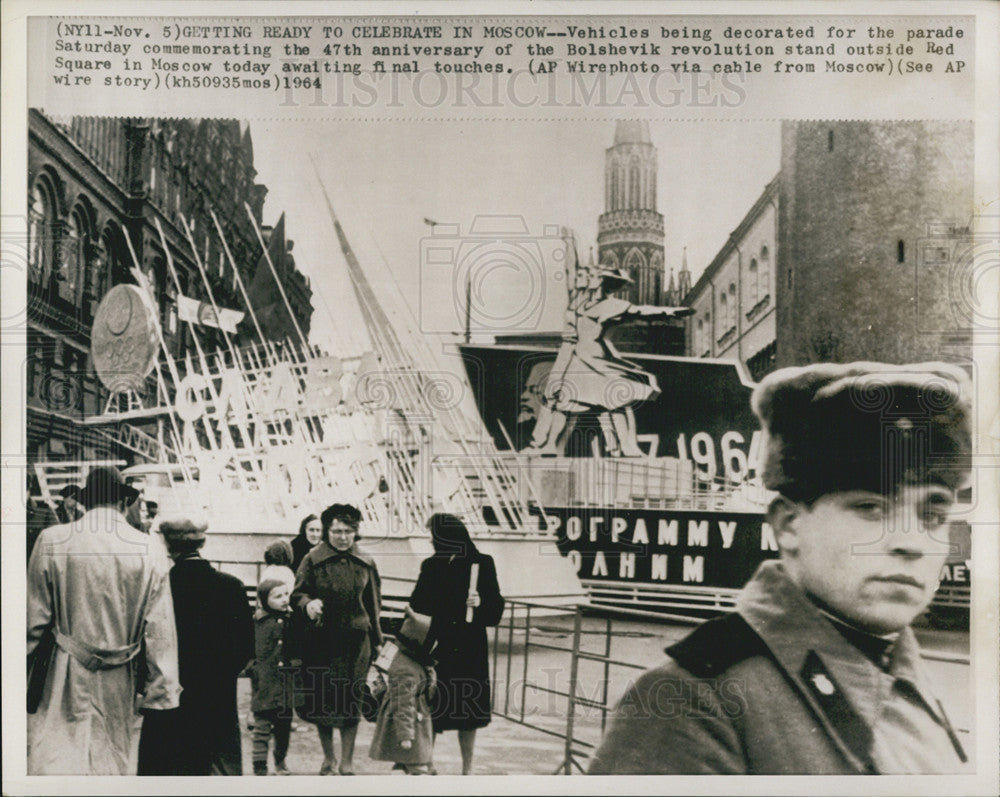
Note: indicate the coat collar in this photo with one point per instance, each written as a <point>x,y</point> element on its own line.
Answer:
<point>263,614</point>
<point>324,551</point>
<point>841,684</point>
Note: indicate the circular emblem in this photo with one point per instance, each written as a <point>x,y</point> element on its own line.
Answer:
<point>119,310</point>
<point>123,340</point>
<point>206,315</point>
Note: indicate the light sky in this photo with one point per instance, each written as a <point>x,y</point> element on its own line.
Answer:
<point>385,178</point>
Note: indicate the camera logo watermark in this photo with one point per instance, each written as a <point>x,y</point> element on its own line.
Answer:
<point>497,278</point>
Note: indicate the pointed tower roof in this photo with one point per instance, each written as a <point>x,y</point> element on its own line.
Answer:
<point>683,278</point>
<point>632,131</point>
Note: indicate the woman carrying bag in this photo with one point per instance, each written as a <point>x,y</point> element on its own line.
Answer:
<point>338,594</point>
<point>458,588</point>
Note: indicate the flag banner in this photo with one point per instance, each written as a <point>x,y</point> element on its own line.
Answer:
<point>263,293</point>
<point>198,312</point>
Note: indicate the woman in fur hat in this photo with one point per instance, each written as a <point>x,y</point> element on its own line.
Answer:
<point>338,594</point>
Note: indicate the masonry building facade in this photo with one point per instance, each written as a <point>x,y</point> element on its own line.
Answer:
<point>92,182</point>
<point>848,254</point>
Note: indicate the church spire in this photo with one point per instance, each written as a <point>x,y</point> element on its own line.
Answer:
<point>683,278</point>
<point>630,231</point>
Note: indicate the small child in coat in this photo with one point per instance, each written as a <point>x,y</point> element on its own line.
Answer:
<point>273,673</point>
<point>403,729</point>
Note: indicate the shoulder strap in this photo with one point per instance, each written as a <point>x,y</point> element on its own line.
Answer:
<point>716,645</point>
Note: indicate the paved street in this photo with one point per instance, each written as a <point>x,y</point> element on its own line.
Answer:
<point>528,687</point>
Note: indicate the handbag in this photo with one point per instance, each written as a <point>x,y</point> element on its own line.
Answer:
<point>374,694</point>
<point>39,662</point>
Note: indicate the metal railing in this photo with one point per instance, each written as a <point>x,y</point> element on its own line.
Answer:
<point>571,694</point>
<point>536,697</point>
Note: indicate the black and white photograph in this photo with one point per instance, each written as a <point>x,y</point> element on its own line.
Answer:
<point>593,393</point>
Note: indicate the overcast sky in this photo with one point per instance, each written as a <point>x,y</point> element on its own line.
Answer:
<point>385,178</point>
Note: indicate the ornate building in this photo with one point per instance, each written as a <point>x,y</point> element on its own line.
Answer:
<point>630,231</point>
<point>630,237</point>
<point>93,181</point>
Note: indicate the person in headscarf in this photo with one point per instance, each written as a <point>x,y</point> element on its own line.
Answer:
<point>446,591</point>
<point>309,536</point>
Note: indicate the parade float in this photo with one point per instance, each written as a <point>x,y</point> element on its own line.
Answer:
<point>254,436</point>
<point>646,500</point>
<point>649,478</point>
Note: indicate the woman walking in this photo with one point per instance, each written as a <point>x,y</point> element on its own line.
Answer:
<point>461,608</point>
<point>338,592</point>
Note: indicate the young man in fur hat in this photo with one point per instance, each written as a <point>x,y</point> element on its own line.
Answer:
<point>818,671</point>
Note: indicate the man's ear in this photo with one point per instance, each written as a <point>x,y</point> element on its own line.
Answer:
<point>782,515</point>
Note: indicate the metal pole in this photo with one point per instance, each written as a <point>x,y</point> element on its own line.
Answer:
<point>524,672</point>
<point>571,697</point>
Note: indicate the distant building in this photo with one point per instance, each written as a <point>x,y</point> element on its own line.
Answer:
<point>839,258</point>
<point>91,181</point>
<point>734,298</point>
<point>630,237</point>
<point>630,231</point>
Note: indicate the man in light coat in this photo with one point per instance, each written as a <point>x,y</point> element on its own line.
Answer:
<point>101,588</point>
<point>818,671</point>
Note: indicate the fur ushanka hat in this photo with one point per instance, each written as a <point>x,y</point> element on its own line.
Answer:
<point>832,427</point>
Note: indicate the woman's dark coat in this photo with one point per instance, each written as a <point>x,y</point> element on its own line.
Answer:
<point>337,651</point>
<point>300,547</point>
<point>214,644</point>
<point>462,700</point>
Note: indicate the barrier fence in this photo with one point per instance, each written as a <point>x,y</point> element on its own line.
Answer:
<point>548,678</point>
<point>561,672</point>
<point>558,670</point>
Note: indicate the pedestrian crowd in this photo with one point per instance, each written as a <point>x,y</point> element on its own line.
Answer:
<point>816,672</point>
<point>133,633</point>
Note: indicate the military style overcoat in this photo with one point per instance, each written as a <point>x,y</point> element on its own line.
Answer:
<point>776,689</point>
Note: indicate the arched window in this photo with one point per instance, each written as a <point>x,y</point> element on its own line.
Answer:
<point>116,271</point>
<point>733,309</point>
<point>72,259</point>
<point>723,314</point>
<point>764,276</point>
<point>656,268</point>
<point>633,185</point>
<point>635,267</point>
<point>752,282</point>
<point>615,187</point>
<point>40,236</point>
<point>699,338</point>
